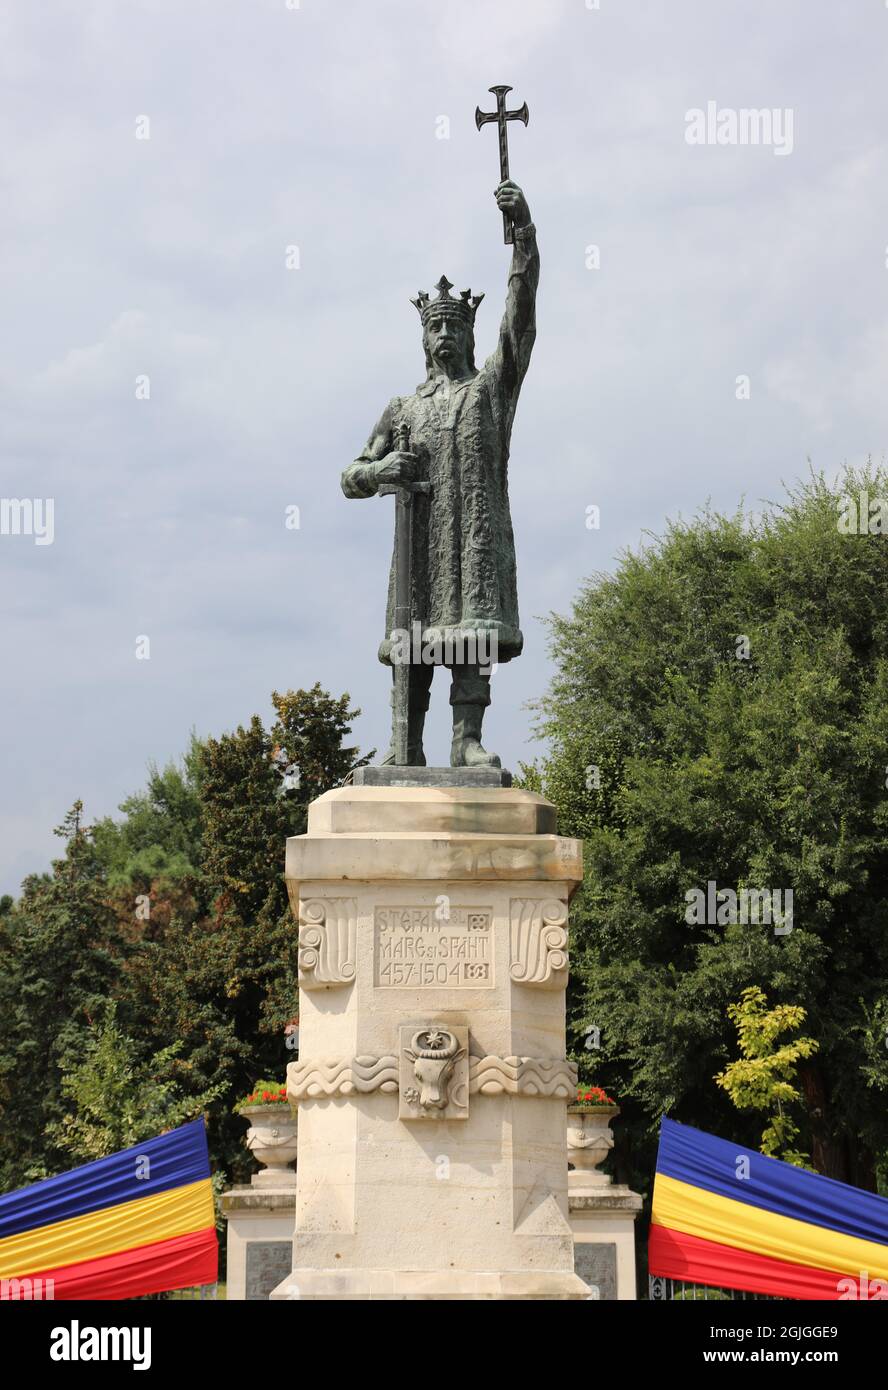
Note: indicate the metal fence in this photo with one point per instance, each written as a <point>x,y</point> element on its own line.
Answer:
<point>196,1291</point>
<point>663,1290</point>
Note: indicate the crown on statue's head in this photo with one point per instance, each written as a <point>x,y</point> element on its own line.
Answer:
<point>464,308</point>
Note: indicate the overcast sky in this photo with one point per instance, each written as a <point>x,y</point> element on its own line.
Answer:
<point>317,126</point>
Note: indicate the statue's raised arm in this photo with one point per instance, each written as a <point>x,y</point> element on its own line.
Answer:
<point>518,327</point>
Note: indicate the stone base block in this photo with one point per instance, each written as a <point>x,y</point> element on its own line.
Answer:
<point>394,776</point>
<point>602,1218</point>
<point>387,1285</point>
<point>260,1239</point>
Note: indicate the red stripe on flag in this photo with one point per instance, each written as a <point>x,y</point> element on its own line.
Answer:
<point>674,1255</point>
<point>178,1263</point>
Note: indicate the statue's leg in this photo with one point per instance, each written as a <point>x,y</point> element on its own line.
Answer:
<point>417,708</point>
<point>469,696</point>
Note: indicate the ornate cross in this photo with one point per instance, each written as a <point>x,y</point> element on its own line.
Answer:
<point>501,115</point>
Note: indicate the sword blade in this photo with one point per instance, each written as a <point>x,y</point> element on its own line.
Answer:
<point>403,544</point>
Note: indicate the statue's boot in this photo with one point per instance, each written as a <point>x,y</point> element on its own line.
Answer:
<point>466,750</point>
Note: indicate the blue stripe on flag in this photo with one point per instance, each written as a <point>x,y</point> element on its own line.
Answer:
<point>694,1157</point>
<point>173,1160</point>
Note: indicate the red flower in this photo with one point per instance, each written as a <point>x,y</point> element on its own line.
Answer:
<point>595,1095</point>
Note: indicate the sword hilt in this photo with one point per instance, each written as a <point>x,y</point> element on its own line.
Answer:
<point>402,443</point>
<point>392,489</point>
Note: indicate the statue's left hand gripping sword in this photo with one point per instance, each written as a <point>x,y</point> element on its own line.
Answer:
<point>501,115</point>
<point>403,494</point>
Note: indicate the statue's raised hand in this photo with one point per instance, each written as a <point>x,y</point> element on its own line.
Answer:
<point>397,467</point>
<point>511,201</point>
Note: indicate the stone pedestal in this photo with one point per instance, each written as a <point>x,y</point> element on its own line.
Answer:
<point>602,1219</point>
<point>602,1212</point>
<point>260,1239</point>
<point>431,1081</point>
<point>261,1217</point>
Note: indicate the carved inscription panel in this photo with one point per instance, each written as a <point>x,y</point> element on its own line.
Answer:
<point>437,947</point>
<point>597,1266</point>
<point>268,1264</point>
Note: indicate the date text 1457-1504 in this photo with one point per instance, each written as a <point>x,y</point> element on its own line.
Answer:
<point>438,947</point>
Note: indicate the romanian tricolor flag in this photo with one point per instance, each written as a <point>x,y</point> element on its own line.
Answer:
<point>730,1217</point>
<point>138,1222</point>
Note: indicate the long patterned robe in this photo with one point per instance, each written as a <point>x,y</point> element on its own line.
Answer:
<point>463,548</point>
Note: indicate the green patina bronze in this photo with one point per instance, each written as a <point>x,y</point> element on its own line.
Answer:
<point>444,450</point>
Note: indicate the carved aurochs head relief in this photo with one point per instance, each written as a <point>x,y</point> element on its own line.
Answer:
<point>434,1053</point>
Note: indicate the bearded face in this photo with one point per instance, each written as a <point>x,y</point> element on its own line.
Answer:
<point>449,343</point>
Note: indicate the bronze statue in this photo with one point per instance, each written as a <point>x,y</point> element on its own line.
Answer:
<point>444,451</point>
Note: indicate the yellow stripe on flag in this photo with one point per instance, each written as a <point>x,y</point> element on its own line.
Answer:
<point>177,1212</point>
<point>696,1212</point>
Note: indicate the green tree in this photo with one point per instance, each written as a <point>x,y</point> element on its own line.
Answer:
<point>312,726</point>
<point>159,836</point>
<point>720,714</point>
<point>117,1096</point>
<point>62,955</point>
<point>764,1076</point>
<point>220,971</point>
<point>177,913</point>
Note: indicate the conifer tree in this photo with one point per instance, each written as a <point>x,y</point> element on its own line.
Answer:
<point>62,956</point>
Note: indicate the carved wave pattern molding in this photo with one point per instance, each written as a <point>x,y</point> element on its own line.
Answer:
<point>319,1078</point>
<point>523,1076</point>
